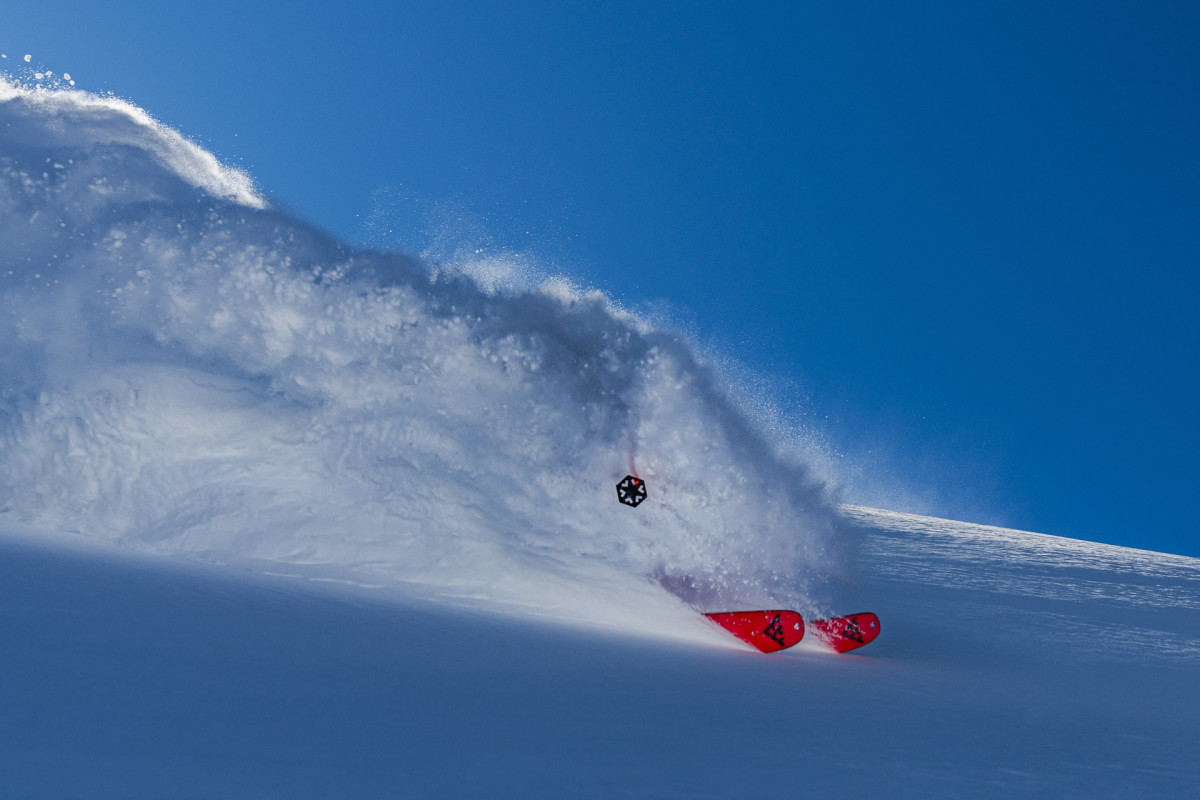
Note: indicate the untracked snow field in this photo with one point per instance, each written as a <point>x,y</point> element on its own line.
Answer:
<point>1010,665</point>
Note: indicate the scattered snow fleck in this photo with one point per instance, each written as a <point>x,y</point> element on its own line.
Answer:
<point>28,58</point>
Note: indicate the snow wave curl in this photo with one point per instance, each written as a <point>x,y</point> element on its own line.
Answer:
<point>185,370</point>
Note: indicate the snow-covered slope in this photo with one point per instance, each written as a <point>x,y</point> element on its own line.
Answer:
<point>1010,665</point>
<point>281,518</point>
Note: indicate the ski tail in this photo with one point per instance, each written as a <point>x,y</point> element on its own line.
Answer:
<point>769,631</point>
<point>846,633</point>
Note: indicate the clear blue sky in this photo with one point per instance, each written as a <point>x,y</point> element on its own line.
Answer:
<point>969,236</point>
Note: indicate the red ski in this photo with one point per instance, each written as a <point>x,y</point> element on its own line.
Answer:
<point>848,632</point>
<point>767,630</point>
<point>778,629</point>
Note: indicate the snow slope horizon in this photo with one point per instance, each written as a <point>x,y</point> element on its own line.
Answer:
<point>185,370</point>
<point>1011,664</point>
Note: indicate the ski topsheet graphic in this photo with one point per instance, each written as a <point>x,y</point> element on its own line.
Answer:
<point>767,630</point>
<point>848,632</point>
<point>779,629</point>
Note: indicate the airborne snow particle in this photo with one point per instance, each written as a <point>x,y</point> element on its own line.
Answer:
<point>27,58</point>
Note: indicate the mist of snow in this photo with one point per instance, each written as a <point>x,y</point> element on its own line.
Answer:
<point>184,370</point>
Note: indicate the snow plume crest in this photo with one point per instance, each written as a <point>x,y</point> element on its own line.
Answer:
<point>68,120</point>
<point>185,371</point>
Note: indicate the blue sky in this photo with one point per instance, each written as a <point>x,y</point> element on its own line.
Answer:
<point>962,240</point>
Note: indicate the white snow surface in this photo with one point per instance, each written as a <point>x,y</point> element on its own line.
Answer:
<point>282,518</point>
<point>1010,664</point>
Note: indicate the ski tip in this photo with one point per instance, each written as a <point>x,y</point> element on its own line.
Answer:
<point>767,630</point>
<point>848,632</point>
